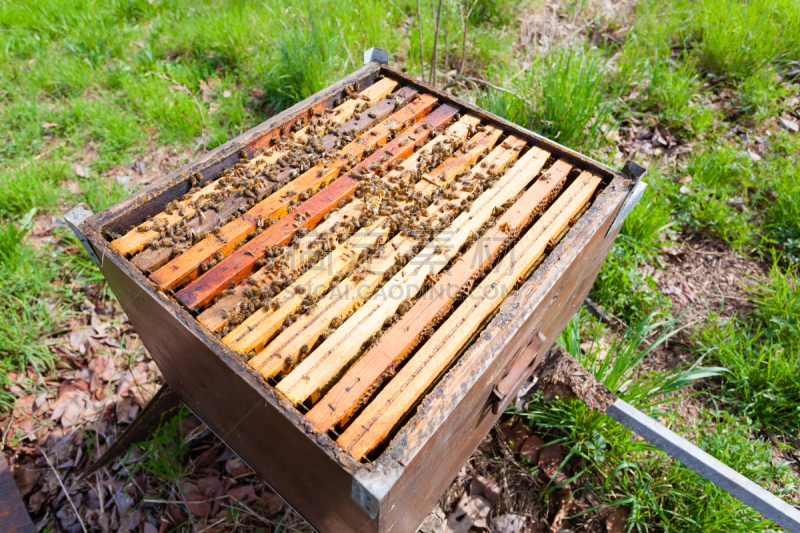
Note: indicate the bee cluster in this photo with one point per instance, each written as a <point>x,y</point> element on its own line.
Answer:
<point>203,211</point>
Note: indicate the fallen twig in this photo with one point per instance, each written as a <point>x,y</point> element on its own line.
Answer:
<point>493,86</point>
<point>66,492</point>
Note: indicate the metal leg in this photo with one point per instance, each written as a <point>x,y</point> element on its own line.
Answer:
<point>717,473</point>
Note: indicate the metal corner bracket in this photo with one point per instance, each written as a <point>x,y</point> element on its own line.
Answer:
<point>365,499</point>
<point>379,55</point>
<point>74,218</point>
<point>634,172</point>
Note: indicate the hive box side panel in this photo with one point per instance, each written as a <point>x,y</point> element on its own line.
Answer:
<point>267,435</point>
<point>455,417</point>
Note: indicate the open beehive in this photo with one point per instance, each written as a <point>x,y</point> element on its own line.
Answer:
<point>350,293</point>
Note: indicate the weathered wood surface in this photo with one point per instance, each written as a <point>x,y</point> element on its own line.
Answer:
<point>454,417</point>
<point>254,332</point>
<point>384,412</point>
<point>341,113</point>
<point>395,344</point>
<point>217,316</point>
<point>422,460</point>
<point>203,374</point>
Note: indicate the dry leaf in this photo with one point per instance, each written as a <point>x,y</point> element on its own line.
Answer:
<point>131,522</point>
<point>235,467</point>
<point>257,92</point>
<point>197,505</point>
<point>212,484</point>
<point>72,414</point>
<point>434,522</point>
<point>79,338</point>
<point>80,170</point>
<point>508,523</point>
<point>226,93</point>
<point>516,434</point>
<point>271,503</point>
<point>531,448</point>
<point>104,367</point>
<point>49,125</point>
<point>615,522</point>
<point>457,522</point>
<point>124,502</point>
<point>472,509</point>
<point>242,493</point>
<point>488,488</point>
<point>36,500</point>
<point>24,405</point>
<point>126,410</point>
<point>26,475</point>
<point>550,459</point>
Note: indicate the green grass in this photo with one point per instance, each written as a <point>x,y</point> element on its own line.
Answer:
<point>674,93</point>
<point>621,287</point>
<point>780,178</point>
<point>33,280</point>
<point>761,351</point>
<point>759,95</point>
<point>756,34</point>
<point>630,472</point>
<point>98,83</point>
<point>561,96</point>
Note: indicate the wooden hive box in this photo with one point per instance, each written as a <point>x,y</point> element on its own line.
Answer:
<point>360,432</point>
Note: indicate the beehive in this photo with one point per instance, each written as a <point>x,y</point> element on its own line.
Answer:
<point>350,293</point>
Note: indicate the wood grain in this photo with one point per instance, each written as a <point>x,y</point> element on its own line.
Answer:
<point>401,393</point>
<point>254,332</point>
<point>140,236</point>
<point>214,316</point>
<point>217,316</point>
<point>397,342</point>
<point>341,113</point>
